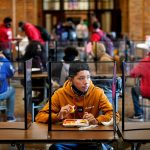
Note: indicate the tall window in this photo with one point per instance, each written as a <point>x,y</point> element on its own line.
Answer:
<point>106,4</point>
<point>51,4</point>
<point>77,4</point>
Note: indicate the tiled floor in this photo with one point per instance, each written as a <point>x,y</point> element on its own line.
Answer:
<point>19,113</point>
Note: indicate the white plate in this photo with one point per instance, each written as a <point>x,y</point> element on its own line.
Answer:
<point>36,69</point>
<point>75,123</point>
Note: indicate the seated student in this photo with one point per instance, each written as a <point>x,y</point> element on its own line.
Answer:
<point>7,92</point>
<point>36,51</point>
<point>78,91</point>
<point>98,54</point>
<point>141,70</point>
<point>6,37</point>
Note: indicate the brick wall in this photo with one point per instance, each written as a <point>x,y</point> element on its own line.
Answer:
<point>139,19</point>
<point>19,10</point>
<point>146,17</point>
<point>5,8</point>
<point>136,19</point>
<point>124,14</point>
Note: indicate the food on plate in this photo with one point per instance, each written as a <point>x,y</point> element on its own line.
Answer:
<point>75,122</point>
<point>83,121</point>
<point>70,121</point>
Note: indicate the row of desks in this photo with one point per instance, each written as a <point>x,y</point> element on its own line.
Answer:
<point>43,75</point>
<point>34,75</point>
<point>38,133</point>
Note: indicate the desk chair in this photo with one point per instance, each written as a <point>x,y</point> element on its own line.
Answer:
<point>106,84</point>
<point>35,106</point>
<point>38,95</point>
<point>37,101</point>
<point>37,98</point>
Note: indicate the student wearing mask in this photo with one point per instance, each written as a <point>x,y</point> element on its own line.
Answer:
<point>6,37</point>
<point>36,51</point>
<point>78,91</point>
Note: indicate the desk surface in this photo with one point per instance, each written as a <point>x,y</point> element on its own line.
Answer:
<point>36,133</point>
<point>39,133</point>
<point>34,75</point>
<point>100,133</point>
<point>143,46</point>
<point>132,132</point>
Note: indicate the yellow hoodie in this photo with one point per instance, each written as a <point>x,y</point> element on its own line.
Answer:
<point>92,102</point>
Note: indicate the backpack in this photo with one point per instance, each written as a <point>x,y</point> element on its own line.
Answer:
<point>108,43</point>
<point>44,33</point>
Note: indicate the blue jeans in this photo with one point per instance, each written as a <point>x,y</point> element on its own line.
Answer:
<point>9,95</point>
<point>78,147</point>
<point>73,146</point>
<point>135,91</point>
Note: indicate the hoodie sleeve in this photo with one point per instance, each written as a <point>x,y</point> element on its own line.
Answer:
<point>43,114</point>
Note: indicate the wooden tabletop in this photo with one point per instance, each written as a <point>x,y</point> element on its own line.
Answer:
<point>136,131</point>
<point>34,75</point>
<point>38,132</point>
<point>99,133</point>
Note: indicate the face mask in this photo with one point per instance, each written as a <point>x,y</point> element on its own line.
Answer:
<point>8,25</point>
<point>20,29</point>
<point>78,92</point>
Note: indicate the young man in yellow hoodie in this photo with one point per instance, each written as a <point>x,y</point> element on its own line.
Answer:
<point>78,91</point>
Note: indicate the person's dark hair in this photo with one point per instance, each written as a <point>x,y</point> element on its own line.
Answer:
<point>20,24</point>
<point>69,19</point>
<point>31,50</point>
<point>7,20</point>
<point>70,53</point>
<point>77,67</point>
<point>96,25</point>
